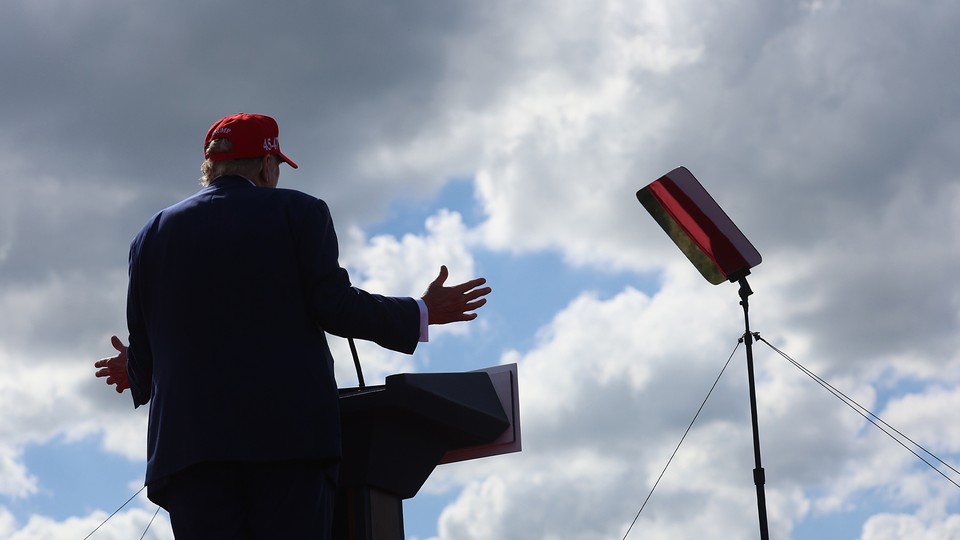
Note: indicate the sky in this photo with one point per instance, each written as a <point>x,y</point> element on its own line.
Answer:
<point>507,140</point>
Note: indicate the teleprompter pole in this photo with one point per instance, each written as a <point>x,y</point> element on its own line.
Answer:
<point>758,475</point>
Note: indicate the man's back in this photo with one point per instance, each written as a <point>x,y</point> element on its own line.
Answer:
<point>230,294</point>
<point>234,287</point>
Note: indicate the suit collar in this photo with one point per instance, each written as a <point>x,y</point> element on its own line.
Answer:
<point>232,180</point>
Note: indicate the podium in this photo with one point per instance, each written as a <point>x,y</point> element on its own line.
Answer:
<point>394,436</point>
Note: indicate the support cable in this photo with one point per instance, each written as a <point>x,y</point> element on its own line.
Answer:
<point>115,513</point>
<point>689,427</point>
<point>867,414</point>
<point>149,524</point>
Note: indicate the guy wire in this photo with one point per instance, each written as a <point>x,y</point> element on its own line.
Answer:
<point>149,524</point>
<point>867,414</point>
<point>115,513</point>
<point>689,427</point>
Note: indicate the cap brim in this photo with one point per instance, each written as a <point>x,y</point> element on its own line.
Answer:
<point>287,160</point>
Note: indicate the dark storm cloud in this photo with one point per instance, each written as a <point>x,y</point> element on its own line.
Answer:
<point>131,86</point>
<point>106,105</point>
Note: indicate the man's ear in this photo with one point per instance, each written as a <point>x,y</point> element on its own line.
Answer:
<point>269,172</point>
<point>261,176</point>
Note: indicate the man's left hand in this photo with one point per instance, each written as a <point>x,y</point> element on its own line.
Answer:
<point>115,367</point>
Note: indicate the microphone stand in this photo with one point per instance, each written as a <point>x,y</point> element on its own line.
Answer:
<point>356,361</point>
<point>758,474</point>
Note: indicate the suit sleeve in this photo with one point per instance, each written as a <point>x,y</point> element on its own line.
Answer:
<point>344,310</point>
<point>139,357</point>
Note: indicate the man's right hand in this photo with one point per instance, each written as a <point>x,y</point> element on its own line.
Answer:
<point>456,303</point>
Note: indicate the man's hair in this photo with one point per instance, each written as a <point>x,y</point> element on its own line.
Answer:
<point>247,167</point>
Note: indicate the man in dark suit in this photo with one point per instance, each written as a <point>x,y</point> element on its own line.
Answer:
<point>230,293</point>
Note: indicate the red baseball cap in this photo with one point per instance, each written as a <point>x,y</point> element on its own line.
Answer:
<point>252,135</point>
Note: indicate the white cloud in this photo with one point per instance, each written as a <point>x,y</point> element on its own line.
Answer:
<point>898,526</point>
<point>122,526</point>
<point>42,399</point>
<point>405,266</point>
<point>15,480</point>
<point>924,412</point>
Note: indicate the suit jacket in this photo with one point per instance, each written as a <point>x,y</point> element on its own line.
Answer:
<point>230,293</point>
